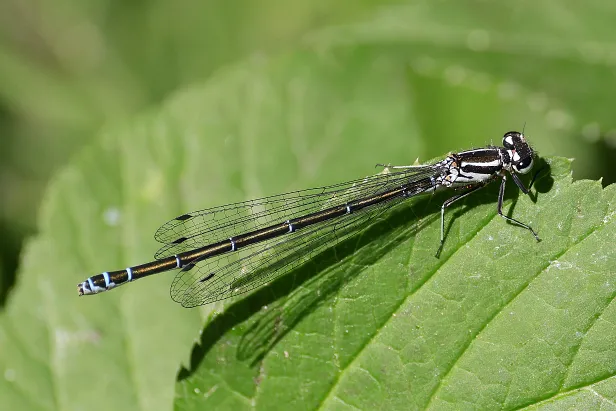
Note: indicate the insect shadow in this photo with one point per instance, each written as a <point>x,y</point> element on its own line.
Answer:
<point>291,297</point>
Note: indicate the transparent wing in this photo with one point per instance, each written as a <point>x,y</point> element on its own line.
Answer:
<point>199,228</point>
<point>224,276</point>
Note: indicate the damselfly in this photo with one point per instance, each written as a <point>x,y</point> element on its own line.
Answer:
<point>229,250</point>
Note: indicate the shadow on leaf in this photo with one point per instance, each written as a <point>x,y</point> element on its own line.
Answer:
<point>265,316</point>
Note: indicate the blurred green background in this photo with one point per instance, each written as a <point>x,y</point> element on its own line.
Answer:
<point>475,69</point>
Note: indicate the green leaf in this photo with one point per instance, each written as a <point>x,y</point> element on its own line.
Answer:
<point>498,321</point>
<point>556,59</point>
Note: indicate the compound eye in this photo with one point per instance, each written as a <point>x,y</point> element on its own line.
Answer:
<point>509,139</point>
<point>524,165</point>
